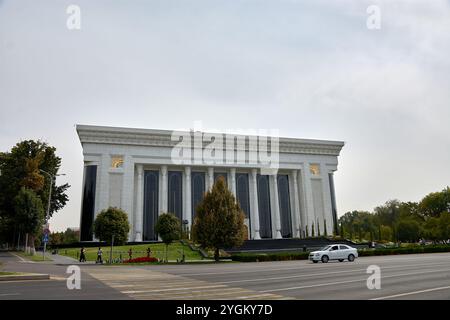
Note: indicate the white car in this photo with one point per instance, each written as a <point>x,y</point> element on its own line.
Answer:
<point>334,252</point>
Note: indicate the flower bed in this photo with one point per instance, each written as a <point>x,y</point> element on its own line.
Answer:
<point>141,260</point>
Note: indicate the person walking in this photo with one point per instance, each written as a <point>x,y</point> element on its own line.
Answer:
<point>130,254</point>
<point>99,256</point>
<point>149,252</point>
<point>82,255</point>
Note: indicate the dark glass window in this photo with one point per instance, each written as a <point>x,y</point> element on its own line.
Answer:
<point>88,206</point>
<point>242,193</point>
<point>176,193</point>
<point>198,189</point>
<point>285,206</point>
<point>265,220</point>
<point>151,186</point>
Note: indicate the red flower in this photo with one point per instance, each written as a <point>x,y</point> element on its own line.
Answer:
<point>141,259</point>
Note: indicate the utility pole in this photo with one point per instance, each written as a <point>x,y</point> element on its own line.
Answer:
<point>47,216</point>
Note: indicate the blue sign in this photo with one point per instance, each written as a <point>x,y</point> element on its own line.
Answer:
<point>45,238</point>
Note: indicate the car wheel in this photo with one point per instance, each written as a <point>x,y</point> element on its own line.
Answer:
<point>351,258</point>
<point>340,260</point>
<point>325,259</point>
<point>315,261</point>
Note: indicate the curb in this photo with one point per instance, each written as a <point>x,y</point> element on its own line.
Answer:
<point>16,277</point>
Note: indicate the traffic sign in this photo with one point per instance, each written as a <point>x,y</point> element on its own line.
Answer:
<point>45,240</point>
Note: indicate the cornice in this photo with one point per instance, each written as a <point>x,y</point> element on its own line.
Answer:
<point>162,138</point>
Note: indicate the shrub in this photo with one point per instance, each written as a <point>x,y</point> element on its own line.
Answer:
<point>279,256</point>
<point>109,222</point>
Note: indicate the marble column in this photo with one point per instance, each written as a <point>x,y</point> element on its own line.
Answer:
<point>276,207</point>
<point>187,212</point>
<point>164,191</point>
<point>210,178</point>
<point>233,181</point>
<point>138,222</point>
<point>309,201</point>
<point>297,220</point>
<point>254,205</point>
<point>328,207</point>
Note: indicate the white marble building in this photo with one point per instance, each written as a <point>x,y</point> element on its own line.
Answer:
<point>134,169</point>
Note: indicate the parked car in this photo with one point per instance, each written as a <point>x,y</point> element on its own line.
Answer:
<point>338,252</point>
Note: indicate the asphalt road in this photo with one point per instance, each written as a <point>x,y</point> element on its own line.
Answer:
<point>55,288</point>
<point>422,276</point>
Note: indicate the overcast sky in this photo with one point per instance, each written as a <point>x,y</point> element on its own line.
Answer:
<point>311,69</point>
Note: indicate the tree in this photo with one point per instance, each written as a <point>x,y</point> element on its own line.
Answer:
<point>112,222</point>
<point>433,204</point>
<point>21,168</point>
<point>29,213</point>
<point>168,228</point>
<point>219,222</point>
<point>325,233</point>
<point>408,230</point>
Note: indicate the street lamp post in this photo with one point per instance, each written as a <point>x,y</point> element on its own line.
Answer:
<point>51,177</point>
<point>183,223</point>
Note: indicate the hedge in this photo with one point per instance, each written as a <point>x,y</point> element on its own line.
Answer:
<point>279,256</point>
<point>285,256</point>
<point>408,250</point>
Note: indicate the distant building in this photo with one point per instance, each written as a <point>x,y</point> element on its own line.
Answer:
<point>136,170</point>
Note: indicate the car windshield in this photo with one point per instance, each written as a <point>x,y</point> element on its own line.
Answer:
<point>325,248</point>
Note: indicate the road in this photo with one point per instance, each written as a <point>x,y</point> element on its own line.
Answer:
<point>55,288</point>
<point>421,276</point>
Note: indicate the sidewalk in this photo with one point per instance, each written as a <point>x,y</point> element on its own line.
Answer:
<point>64,260</point>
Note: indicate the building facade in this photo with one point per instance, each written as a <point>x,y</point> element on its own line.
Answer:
<point>147,172</point>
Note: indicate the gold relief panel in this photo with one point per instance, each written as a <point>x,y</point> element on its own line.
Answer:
<point>314,169</point>
<point>117,162</point>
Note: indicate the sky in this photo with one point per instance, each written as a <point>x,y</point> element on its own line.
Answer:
<point>310,68</point>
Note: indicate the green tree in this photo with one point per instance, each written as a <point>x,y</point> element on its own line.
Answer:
<point>219,222</point>
<point>168,228</point>
<point>109,222</point>
<point>21,168</point>
<point>71,236</point>
<point>433,204</point>
<point>29,213</point>
<point>408,230</point>
<point>385,233</point>
<point>313,231</point>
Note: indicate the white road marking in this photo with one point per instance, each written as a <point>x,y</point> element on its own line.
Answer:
<point>172,289</point>
<point>411,293</point>
<point>350,281</point>
<point>22,259</point>
<point>9,294</point>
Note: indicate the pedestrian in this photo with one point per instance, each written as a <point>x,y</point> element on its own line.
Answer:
<point>99,256</point>
<point>82,255</point>
<point>130,253</point>
<point>149,252</point>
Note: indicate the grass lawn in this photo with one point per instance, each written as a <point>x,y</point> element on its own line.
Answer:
<point>158,251</point>
<point>36,258</point>
<point>3,273</point>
